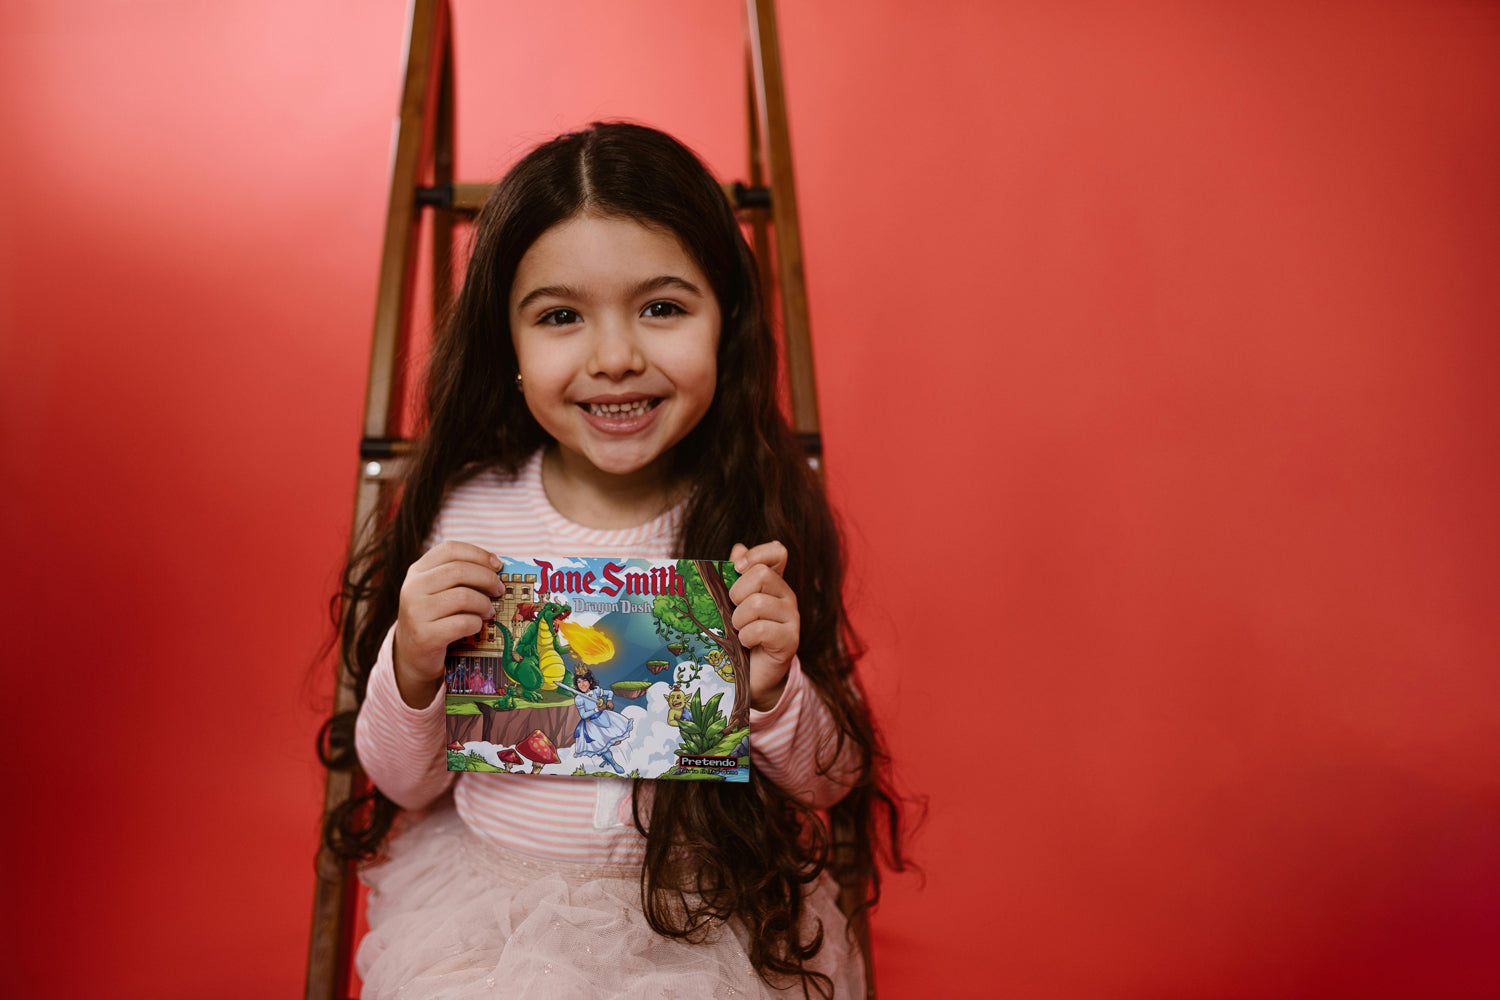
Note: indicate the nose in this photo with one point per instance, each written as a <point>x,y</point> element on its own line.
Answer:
<point>616,350</point>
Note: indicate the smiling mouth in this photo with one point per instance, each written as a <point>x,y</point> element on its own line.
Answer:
<point>621,411</point>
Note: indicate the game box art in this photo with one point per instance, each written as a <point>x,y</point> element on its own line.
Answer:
<point>604,666</point>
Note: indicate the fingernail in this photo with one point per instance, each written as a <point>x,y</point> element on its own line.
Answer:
<point>495,561</point>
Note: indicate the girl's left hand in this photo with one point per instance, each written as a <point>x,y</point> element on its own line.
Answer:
<point>766,617</point>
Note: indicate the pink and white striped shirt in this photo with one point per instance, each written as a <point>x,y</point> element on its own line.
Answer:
<point>562,818</point>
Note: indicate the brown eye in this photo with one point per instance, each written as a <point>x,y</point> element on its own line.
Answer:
<point>559,317</point>
<point>661,310</point>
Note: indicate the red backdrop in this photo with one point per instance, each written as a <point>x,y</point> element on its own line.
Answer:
<point>1162,341</point>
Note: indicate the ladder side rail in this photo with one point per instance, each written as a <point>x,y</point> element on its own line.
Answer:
<point>413,142</point>
<point>760,241</point>
<point>334,899</point>
<point>442,176</point>
<point>328,970</point>
<point>775,147</point>
<point>775,142</point>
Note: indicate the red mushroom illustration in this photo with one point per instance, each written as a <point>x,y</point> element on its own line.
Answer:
<point>538,749</point>
<point>508,757</point>
<point>456,746</point>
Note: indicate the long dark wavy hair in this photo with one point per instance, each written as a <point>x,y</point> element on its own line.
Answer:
<point>714,851</point>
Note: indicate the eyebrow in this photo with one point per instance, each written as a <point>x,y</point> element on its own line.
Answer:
<point>640,288</point>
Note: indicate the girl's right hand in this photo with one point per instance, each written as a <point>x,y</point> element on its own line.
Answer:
<point>446,595</point>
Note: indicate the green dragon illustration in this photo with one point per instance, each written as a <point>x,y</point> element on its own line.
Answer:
<point>539,665</point>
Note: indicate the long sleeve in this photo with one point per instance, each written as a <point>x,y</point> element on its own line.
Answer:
<point>399,746</point>
<point>789,742</point>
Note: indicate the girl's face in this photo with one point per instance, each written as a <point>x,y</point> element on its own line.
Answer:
<point>617,332</point>
<point>584,685</point>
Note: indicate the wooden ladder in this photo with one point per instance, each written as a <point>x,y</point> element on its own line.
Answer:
<point>422,181</point>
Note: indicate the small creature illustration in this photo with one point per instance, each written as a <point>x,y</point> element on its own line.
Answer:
<point>721,663</point>
<point>507,701</point>
<point>677,700</point>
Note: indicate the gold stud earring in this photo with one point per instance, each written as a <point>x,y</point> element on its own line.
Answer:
<point>518,381</point>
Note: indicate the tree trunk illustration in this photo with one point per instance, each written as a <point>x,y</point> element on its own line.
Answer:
<point>713,580</point>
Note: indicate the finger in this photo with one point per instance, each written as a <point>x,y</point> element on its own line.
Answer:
<point>447,630</point>
<point>451,551</point>
<point>763,607</point>
<point>429,639</point>
<point>459,600</point>
<point>772,554</point>
<point>769,637</point>
<point>760,580</point>
<point>448,575</point>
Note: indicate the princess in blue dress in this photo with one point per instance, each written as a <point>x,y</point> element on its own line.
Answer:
<point>598,728</point>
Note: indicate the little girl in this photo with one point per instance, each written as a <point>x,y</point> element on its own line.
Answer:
<point>598,728</point>
<point>606,385</point>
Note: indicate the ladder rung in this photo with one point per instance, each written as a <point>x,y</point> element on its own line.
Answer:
<point>744,196</point>
<point>468,199</point>
<point>456,197</point>
<point>383,447</point>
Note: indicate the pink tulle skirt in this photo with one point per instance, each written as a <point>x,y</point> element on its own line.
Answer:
<point>455,916</point>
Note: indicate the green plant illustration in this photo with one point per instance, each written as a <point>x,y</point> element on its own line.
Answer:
<point>707,734</point>
<point>581,772</point>
<point>460,761</point>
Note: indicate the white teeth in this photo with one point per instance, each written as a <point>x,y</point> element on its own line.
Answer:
<point>620,411</point>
